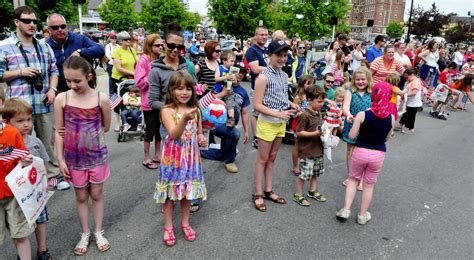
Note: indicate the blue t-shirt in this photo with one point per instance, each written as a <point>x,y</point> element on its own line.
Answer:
<point>219,85</point>
<point>255,53</point>
<point>299,69</point>
<point>241,100</point>
<point>373,54</point>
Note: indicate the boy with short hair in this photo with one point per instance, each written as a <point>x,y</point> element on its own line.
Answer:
<point>310,147</point>
<point>19,114</point>
<point>132,102</point>
<point>446,77</point>
<point>12,218</point>
<point>222,76</point>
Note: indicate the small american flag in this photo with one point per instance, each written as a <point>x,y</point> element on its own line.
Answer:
<point>115,100</point>
<point>10,154</point>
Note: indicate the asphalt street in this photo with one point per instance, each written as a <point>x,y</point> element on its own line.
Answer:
<point>422,206</point>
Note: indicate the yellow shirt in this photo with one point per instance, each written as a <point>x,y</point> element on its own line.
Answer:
<point>394,96</point>
<point>128,59</point>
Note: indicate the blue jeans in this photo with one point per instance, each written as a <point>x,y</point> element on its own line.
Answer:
<point>229,139</point>
<point>135,114</point>
<point>111,84</point>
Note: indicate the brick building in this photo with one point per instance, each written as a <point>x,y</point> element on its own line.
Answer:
<point>382,12</point>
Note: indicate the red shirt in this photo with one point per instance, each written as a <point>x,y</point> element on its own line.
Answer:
<point>448,78</point>
<point>9,137</point>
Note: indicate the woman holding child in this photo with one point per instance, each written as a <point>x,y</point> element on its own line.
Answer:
<point>271,101</point>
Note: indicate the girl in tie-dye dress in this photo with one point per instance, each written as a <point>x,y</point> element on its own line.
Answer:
<point>181,176</point>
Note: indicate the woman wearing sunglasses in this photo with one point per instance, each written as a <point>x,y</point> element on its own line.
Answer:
<point>152,49</point>
<point>125,59</point>
<point>299,64</point>
<point>206,67</point>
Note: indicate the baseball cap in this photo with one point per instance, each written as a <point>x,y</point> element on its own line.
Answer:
<point>277,46</point>
<point>193,50</point>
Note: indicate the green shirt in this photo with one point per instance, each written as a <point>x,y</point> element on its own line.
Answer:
<point>329,92</point>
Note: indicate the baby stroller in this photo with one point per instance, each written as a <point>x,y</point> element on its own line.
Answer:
<point>134,130</point>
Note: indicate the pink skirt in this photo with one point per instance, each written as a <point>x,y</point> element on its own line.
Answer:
<point>393,110</point>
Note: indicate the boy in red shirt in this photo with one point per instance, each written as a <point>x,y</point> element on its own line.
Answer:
<point>446,77</point>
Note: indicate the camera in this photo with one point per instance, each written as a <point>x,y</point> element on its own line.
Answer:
<point>37,81</point>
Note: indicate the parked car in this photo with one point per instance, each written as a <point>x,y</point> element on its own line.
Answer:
<point>320,45</point>
<point>227,44</point>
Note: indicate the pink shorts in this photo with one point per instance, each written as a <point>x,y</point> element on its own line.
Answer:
<point>393,110</point>
<point>366,164</point>
<point>97,175</point>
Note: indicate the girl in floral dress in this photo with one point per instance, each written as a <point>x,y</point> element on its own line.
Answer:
<point>181,175</point>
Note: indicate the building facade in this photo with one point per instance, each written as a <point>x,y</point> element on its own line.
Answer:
<point>381,12</point>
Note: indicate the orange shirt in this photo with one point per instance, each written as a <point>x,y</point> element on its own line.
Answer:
<point>9,137</point>
<point>394,96</point>
<point>459,86</point>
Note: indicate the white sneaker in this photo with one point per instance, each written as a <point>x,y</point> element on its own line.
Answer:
<point>126,127</point>
<point>139,127</point>
<point>63,185</point>
<point>343,214</point>
<point>362,220</point>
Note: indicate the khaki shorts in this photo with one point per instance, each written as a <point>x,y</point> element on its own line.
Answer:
<point>270,131</point>
<point>13,220</point>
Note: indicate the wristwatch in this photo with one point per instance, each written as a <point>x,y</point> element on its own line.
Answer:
<point>53,88</point>
<point>79,51</point>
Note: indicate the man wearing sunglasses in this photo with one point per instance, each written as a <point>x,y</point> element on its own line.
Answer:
<point>29,68</point>
<point>31,73</point>
<point>66,44</point>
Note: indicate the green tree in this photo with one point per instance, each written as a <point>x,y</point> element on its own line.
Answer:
<point>120,14</point>
<point>6,9</point>
<point>394,30</point>
<point>429,22</point>
<point>238,17</point>
<point>157,14</point>
<point>458,33</point>
<point>309,18</point>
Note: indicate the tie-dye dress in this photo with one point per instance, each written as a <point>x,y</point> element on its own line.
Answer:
<point>181,174</point>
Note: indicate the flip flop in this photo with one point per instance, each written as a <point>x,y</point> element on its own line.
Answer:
<point>156,161</point>
<point>150,165</point>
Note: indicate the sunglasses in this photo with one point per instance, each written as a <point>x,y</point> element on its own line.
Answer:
<point>127,39</point>
<point>301,47</point>
<point>28,21</point>
<point>173,46</point>
<point>159,45</point>
<point>57,27</point>
<point>217,51</point>
<point>330,82</point>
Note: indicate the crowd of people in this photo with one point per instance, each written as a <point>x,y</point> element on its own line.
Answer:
<point>51,88</point>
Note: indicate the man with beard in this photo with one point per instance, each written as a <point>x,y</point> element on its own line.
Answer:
<point>66,44</point>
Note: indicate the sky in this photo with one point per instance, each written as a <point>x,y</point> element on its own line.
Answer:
<point>445,6</point>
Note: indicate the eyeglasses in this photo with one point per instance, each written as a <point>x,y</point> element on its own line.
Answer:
<point>28,21</point>
<point>159,45</point>
<point>217,51</point>
<point>57,27</point>
<point>173,46</point>
<point>330,82</point>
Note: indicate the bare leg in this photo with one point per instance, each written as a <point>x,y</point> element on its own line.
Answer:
<point>313,184</point>
<point>299,186</point>
<point>295,157</point>
<point>82,197</point>
<point>366,198</point>
<point>157,150</point>
<point>168,216</point>
<point>23,247</point>
<point>185,212</point>
<point>97,196</point>
<point>350,193</point>
<point>40,233</point>
<point>254,125</point>
<point>146,151</point>
<point>275,145</point>
<point>264,148</point>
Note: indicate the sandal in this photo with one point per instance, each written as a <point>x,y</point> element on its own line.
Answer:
<point>194,208</point>
<point>156,161</point>
<point>82,246</point>
<point>189,233</point>
<point>171,240</point>
<point>260,207</point>
<point>150,165</point>
<point>268,196</point>
<point>317,196</point>
<point>102,242</point>
<point>301,200</point>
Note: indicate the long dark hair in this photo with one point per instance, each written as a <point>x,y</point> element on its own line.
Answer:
<point>177,79</point>
<point>79,63</point>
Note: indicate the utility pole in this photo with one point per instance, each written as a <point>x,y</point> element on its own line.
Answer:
<point>18,3</point>
<point>407,40</point>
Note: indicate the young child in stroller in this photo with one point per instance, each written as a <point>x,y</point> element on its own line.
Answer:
<point>131,101</point>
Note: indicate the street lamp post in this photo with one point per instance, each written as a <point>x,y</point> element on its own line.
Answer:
<point>407,40</point>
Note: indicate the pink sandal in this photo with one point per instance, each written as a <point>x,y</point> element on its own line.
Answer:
<point>189,233</point>
<point>171,240</point>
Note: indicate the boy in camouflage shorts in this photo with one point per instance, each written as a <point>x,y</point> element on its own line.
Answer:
<point>310,147</point>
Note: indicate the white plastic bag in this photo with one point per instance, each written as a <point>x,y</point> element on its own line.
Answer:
<point>29,186</point>
<point>329,141</point>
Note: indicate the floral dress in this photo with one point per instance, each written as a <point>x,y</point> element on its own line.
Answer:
<point>181,175</point>
<point>358,103</point>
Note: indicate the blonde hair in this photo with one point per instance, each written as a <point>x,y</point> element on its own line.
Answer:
<point>339,91</point>
<point>15,106</point>
<point>393,79</point>
<point>368,75</point>
<point>279,35</point>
